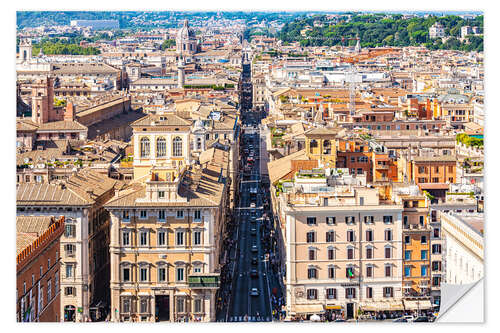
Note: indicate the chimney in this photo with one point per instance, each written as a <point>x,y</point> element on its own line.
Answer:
<point>69,113</point>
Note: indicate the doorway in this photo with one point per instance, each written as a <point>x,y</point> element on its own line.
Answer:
<point>69,313</point>
<point>350,311</point>
<point>162,308</point>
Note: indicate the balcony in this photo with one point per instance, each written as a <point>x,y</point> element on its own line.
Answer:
<point>205,281</point>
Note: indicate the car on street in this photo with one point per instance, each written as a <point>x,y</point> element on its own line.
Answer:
<point>254,261</point>
<point>254,273</point>
<point>421,319</point>
<point>254,248</point>
<point>252,205</point>
<point>254,292</point>
<point>253,231</point>
<point>400,320</point>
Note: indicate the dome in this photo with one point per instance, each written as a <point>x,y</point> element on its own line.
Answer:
<point>185,32</point>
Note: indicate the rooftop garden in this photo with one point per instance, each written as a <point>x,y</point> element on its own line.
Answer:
<point>469,141</point>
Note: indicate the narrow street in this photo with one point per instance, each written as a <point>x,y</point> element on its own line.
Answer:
<point>253,289</point>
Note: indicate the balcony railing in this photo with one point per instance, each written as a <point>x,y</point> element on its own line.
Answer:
<point>204,281</point>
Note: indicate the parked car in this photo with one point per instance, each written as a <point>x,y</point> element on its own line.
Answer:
<point>421,319</point>
<point>400,320</point>
<point>253,231</point>
<point>254,273</point>
<point>254,248</point>
<point>254,261</point>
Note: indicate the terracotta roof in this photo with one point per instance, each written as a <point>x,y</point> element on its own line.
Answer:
<point>168,120</point>
<point>26,125</point>
<point>281,167</point>
<point>62,125</point>
<point>33,224</point>
<point>322,132</point>
<point>80,189</point>
<point>23,240</point>
<point>443,158</point>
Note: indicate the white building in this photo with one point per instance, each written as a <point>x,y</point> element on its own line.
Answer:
<point>96,24</point>
<point>463,236</point>
<point>436,30</point>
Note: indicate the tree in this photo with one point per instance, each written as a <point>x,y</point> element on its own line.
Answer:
<point>167,44</point>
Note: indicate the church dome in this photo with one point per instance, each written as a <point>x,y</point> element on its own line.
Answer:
<point>185,32</point>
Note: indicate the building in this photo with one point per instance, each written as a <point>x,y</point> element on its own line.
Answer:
<point>465,30</point>
<point>96,24</point>
<point>166,229</point>
<point>186,43</point>
<point>84,245</point>
<point>463,236</point>
<point>38,268</point>
<point>436,31</point>
<point>343,244</point>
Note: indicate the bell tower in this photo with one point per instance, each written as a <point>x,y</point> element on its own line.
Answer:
<point>25,50</point>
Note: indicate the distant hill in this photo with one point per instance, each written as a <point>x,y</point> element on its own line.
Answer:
<point>380,29</point>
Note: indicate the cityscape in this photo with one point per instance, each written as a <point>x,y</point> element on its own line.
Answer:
<point>248,166</point>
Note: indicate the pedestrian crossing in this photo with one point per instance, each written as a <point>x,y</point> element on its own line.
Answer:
<point>249,319</point>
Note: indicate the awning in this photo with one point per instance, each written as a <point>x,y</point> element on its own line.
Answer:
<point>180,293</point>
<point>309,308</point>
<point>126,293</point>
<point>333,307</point>
<point>396,306</point>
<point>418,305</point>
<point>143,293</point>
<point>369,306</point>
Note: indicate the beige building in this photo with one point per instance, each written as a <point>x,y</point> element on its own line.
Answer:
<point>166,228</point>
<point>84,244</point>
<point>343,245</point>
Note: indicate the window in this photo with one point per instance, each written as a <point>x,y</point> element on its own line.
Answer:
<point>162,274</point>
<point>405,221</point>
<point>311,221</point>
<point>197,215</point>
<point>369,271</point>
<point>349,219</point>
<point>180,214</point>
<point>423,254</point>
<point>388,270</point>
<point>143,305</point>
<point>388,235</point>
<point>330,236</point>
<point>70,250</point>
<point>331,254</point>
<point>32,279</point>
<point>330,220</point>
<point>161,147</point>
<point>161,194</point>
<point>179,238</point>
<point>56,282</point>
<point>312,254</point>
<point>331,272</point>
<point>126,274</point>
<point>350,235</point>
<point>436,248</point>
<point>369,252</point>
<point>70,230</point>
<point>312,294</point>
<point>143,274</point>
<point>311,237</point>
<point>421,169</point>
<point>407,239</point>
<point>161,215</point>
<point>125,238</point>
<point>368,219</point>
<point>435,232</point>
<point>143,214</point>
<point>388,292</point>
<point>180,305</point>
<point>436,280</point>
<point>312,273</point>
<point>423,240</point>
<point>144,147</point>
<point>388,219</point>
<point>180,274</point>
<point>70,291</point>
<point>125,305</point>
<point>369,235</point>
<point>49,290</point>
<point>369,292</point>
<point>197,238</point>
<point>125,216</point>
<point>143,238</point>
<point>436,266</point>
<point>197,305</point>
<point>350,293</point>
<point>407,255</point>
<point>161,238</point>
<point>421,221</point>
<point>388,252</point>
<point>331,293</point>
<point>407,271</point>
<point>350,253</point>
<point>48,264</point>
<point>177,146</point>
<point>69,270</point>
<point>423,270</point>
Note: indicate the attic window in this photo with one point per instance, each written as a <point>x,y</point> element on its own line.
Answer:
<point>144,129</point>
<point>176,129</point>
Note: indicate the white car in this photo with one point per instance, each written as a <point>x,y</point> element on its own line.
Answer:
<point>252,205</point>
<point>254,292</point>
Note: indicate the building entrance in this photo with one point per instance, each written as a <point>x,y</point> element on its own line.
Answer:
<point>162,308</point>
<point>350,311</point>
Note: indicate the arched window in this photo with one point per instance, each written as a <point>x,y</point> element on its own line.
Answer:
<point>198,143</point>
<point>161,147</point>
<point>326,147</point>
<point>145,147</point>
<point>177,147</point>
<point>313,144</point>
